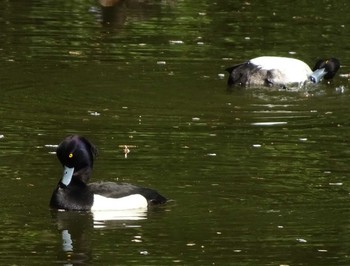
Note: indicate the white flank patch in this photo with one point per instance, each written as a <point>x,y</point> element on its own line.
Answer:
<point>294,70</point>
<point>135,201</point>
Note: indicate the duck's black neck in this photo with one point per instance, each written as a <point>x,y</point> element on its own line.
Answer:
<point>83,174</point>
<point>80,178</point>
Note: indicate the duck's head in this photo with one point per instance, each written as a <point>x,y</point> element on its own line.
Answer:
<point>77,155</point>
<point>324,68</point>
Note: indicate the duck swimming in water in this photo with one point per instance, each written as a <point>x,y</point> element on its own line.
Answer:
<point>73,192</point>
<point>280,71</point>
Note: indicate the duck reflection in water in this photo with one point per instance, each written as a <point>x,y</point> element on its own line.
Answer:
<point>75,230</point>
<point>115,12</point>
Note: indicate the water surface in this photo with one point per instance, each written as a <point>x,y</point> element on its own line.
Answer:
<point>256,177</point>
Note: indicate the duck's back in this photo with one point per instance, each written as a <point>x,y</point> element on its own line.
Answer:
<point>284,69</point>
<point>116,190</point>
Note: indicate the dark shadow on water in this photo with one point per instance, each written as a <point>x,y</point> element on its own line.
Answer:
<point>116,12</point>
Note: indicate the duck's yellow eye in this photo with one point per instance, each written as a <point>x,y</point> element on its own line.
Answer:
<point>70,155</point>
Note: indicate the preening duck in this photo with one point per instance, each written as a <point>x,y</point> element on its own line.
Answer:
<point>73,192</point>
<point>280,71</point>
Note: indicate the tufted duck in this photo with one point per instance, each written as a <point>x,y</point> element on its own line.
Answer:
<point>73,191</point>
<point>280,71</point>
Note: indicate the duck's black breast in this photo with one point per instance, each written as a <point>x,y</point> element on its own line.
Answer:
<point>72,198</point>
<point>115,190</point>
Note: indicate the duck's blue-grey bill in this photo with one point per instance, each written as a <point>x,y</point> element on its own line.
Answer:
<point>317,75</point>
<point>67,175</point>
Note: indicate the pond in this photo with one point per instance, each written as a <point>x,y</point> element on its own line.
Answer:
<point>255,176</point>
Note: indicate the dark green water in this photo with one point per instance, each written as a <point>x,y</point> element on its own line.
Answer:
<point>257,177</point>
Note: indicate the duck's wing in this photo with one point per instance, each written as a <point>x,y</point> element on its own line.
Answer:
<point>238,74</point>
<point>116,190</point>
